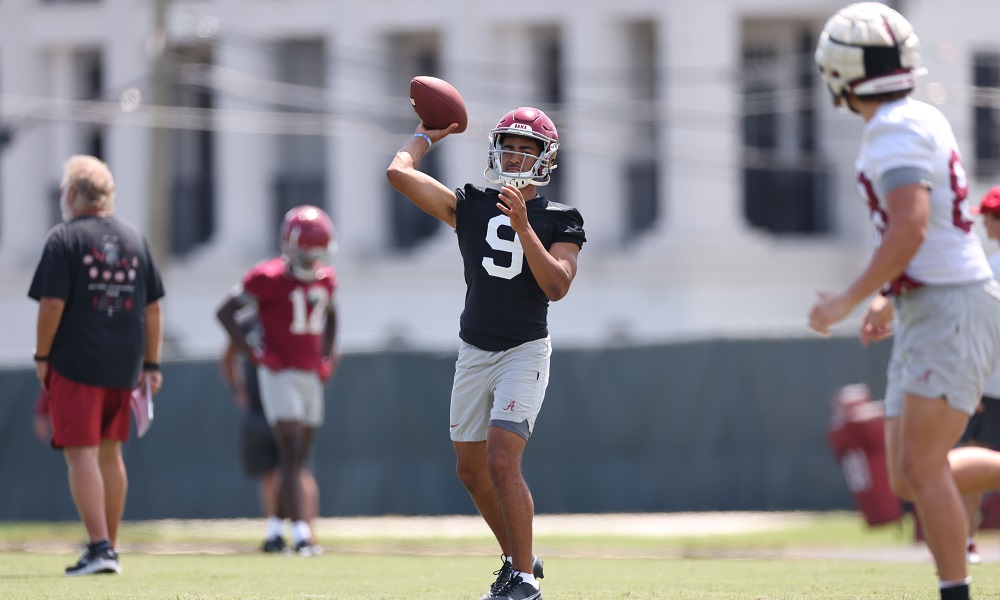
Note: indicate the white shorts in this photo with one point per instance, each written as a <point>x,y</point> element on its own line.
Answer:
<point>503,389</point>
<point>947,342</point>
<point>291,395</point>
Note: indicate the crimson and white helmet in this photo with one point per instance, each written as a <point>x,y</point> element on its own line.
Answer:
<point>530,123</point>
<point>868,48</point>
<point>308,240</point>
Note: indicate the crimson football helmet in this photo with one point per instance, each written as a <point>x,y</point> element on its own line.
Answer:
<point>530,123</point>
<point>866,49</point>
<point>308,240</point>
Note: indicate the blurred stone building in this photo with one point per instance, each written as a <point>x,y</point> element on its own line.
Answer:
<point>696,139</point>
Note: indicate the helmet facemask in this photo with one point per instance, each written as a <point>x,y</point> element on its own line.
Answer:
<point>305,263</point>
<point>520,169</point>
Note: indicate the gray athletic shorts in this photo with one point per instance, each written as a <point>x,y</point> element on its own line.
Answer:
<point>500,389</point>
<point>947,342</point>
<point>291,395</point>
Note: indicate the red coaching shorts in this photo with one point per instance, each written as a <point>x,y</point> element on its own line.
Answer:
<point>83,415</point>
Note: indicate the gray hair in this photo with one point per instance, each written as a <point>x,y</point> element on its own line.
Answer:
<point>92,180</point>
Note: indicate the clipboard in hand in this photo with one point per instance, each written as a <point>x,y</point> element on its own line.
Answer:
<point>142,408</point>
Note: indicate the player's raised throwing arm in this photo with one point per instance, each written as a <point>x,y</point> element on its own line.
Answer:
<point>429,194</point>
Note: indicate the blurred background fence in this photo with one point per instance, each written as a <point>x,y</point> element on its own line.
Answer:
<point>722,424</point>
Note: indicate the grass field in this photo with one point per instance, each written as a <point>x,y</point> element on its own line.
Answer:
<point>722,556</point>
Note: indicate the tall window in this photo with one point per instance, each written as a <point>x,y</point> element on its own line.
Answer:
<point>192,182</point>
<point>550,83</point>
<point>986,113</point>
<point>92,88</point>
<point>643,168</point>
<point>5,138</point>
<point>86,83</point>
<point>301,177</point>
<point>785,184</point>
<point>414,54</point>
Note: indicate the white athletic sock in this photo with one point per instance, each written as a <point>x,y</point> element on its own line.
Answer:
<point>301,531</point>
<point>527,578</point>
<point>274,526</point>
<point>943,585</point>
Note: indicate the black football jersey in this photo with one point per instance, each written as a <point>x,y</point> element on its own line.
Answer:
<point>504,307</point>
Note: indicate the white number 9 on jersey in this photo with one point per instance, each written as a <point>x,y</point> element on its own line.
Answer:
<point>497,243</point>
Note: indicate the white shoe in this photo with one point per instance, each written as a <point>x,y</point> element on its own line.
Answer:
<point>972,555</point>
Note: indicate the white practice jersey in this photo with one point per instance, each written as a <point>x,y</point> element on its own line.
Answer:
<point>907,139</point>
<point>992,386</point>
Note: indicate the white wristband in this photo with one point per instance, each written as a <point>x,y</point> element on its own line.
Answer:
<point>426,137</point>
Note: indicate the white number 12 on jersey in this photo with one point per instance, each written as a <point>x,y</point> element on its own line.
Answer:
<point>502,245</point>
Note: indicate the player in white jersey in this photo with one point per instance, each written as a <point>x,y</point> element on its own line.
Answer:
<point>938,296</point>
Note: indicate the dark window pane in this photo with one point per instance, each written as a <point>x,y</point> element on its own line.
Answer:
<point>787,200</point>
<point>642,187</point>
<point>192,217</point>
<point>986,115</point>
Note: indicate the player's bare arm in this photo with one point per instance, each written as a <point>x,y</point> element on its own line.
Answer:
<point>233,375</point>
<point>909,211</point>
<point>330,331</point>
<point>555,268</point>
<point>909,208</point>
<point>50,312</point>
<point>227,318</point>
<point>153,348</point>
<point>329,358</point>
<point>228,365</point>
<point>429,194</point>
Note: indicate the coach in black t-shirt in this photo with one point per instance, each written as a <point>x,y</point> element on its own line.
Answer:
<point>520,251</point>
<point>99,335</point>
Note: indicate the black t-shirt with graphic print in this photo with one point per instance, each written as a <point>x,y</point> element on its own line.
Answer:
<point>504,306</point>
<point>102,267</point>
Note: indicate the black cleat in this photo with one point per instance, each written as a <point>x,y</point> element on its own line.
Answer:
<point>503,576</point>
<point>518,589</point>
<point>308,548</point>
<point>98,558</point>
<point>275,545</point>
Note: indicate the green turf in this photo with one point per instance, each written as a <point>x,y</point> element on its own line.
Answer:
<point>827,529</point>
<point>180,561</point>
<point>385,577</point>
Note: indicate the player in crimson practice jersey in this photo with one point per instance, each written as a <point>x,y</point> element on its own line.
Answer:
<point>931,269</point>
<point>293,295</point>
<point>520,253</point>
